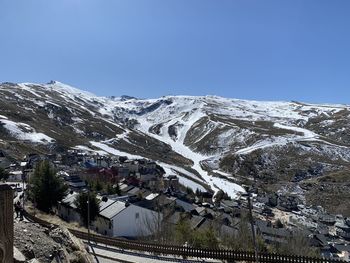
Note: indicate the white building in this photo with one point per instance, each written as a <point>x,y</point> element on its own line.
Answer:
<point>67,209</point>
<point>15,176</point>
<point>117,218</point>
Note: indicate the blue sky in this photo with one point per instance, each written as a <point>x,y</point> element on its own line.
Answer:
<point>249,49</point>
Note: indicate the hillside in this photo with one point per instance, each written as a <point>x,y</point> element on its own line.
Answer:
<point>208,141</point>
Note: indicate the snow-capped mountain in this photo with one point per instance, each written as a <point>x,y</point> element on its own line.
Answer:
<point>208,141</point>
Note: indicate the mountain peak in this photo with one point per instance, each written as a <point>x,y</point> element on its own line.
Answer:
<point>59,86</point>
<point>52,82</point>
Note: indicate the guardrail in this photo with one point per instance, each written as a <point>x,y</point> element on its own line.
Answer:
<point>221,254</point>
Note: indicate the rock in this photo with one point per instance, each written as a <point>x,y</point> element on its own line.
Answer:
<point>43,243</point>
<point>28,252</point>
<point>18,256</point>
<point>79,256</point>
<point>34,260</point>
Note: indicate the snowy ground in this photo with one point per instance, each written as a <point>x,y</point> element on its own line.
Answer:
<point>307,135</point>
<point>25,132</point>
<point>181,112</point>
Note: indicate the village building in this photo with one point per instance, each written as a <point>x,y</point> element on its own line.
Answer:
<point>144,176</point>
<point>342,251</point>
<point>271,234</point>
<point>343,230</point>
<point>185,206</point>
<point>327,219</point>
<point>116,218</point>
<point>67,209</point>
<point>121,170</point>
<point>74,182</point>
<point>158,203</point>
<point>170,182</point>
<point>122,219</point>
<point>15,176</point>
<point>132,165</point>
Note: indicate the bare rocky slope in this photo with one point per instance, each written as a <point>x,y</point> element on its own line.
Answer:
<point>208,141</point>
<point>48,245</point>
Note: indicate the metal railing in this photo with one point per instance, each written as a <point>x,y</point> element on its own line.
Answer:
<point>165,249</point>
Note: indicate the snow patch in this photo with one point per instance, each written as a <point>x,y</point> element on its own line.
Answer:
<point>307,133</point>
<point>174,170</point>
<point>87,149</point>
<point>114,151</point>
<point>25,86</point>
<point>25,132</point>
<point>275,141</point>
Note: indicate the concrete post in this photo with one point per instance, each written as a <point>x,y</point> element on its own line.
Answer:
<point>6,224</point>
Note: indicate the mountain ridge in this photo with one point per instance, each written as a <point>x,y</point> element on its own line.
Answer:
<point>56,82</point>
<point>215,141</point>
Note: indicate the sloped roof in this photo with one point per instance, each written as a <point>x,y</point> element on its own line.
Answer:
<point>185,205</point>
<point>104,204</point>
<point>156,203</point>
<point>174,218</point>
<point>133,191</point>
<point>113,209</point>
<point>108,209</point>
<point>70,200</point>
<point>151,196</point>
<point>341,248</point>
<point>275,232</point>
<point>205,224</point>
<point>196,221</point>
<point>228,231</point>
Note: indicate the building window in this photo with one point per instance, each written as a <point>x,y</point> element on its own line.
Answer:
<point>137,215</point>
<point>110,225</point>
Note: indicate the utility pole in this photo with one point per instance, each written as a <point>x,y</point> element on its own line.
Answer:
<point>23,187</point>
<point>252,227</point>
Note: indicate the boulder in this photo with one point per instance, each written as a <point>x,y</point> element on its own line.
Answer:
<point>18,257</point>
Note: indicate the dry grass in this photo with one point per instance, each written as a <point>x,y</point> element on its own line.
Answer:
<point>54,219</point>
<point>332,191</point>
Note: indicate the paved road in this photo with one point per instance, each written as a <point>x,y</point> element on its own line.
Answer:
<point>105,254</point>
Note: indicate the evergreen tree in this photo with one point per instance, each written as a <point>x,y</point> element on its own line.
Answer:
<point>205,238</point>
<point>46,187</point>
<point>198,192</point>
<point>112,189</point>
<point>183,232</point>
<point>189,190</point>
<point>117,189</point>
<point>82,204</point>
<point>298,244</point>
<point>98,186</point>
<point>4,175</point>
